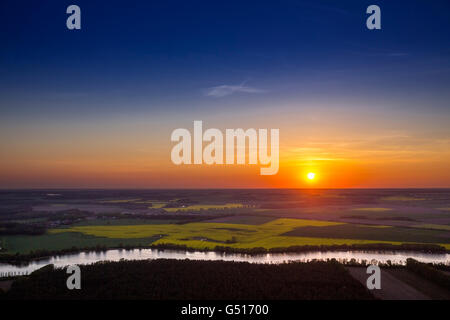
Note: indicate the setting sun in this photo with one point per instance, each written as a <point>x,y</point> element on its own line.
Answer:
<point>311,175</point>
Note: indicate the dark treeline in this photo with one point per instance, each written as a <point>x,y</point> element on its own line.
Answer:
<point>186,279</point>
<point>13,228</point>
<point>179,218</point>
<point>375,247</point>
<point>428,272</point>
<point>70,215</point>
<point>179,203</point>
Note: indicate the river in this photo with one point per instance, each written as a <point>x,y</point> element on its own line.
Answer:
<point>397,257</point>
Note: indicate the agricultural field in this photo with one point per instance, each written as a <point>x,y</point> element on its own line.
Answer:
<point>367,232</point>
<point>276,233</point>
<point>199,207</point>
<point>54,220</point>
<point>24,244</point>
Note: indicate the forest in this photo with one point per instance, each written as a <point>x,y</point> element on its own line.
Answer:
<point>187,279</point>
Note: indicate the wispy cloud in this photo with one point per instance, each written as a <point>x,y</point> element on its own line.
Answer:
<point>226,90</point>
<point>395,147</point>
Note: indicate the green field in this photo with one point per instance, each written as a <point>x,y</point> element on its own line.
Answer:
<point>66,240</point>
<point>123,222</point>
<point>362,232</point>
<point>434,226</point>
<point>244,219</point>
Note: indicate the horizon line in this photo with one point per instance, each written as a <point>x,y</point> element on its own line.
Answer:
<point>255,188</point>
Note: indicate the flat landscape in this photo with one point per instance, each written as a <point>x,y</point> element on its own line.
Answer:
<point>53,220</point>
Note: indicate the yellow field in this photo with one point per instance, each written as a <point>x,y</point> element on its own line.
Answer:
<point>191,234</point>
<point>120,201</point>
<point>157,205</point>
<point>197,207</point>
<point>209,235</point>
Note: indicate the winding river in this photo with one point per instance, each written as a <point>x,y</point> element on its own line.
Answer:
<point>397,257</point>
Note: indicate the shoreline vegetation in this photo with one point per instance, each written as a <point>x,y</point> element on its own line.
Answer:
<point>23,259</point>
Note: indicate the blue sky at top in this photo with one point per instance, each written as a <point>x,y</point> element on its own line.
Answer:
<point>159,55</point>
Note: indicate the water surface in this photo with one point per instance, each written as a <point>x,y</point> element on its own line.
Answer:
<point>397,257</point>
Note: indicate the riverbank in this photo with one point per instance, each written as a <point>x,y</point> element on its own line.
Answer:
<point>388,258</point>
<point>23,259</point>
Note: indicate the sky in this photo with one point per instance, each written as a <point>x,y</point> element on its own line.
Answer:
<point>95,108</point>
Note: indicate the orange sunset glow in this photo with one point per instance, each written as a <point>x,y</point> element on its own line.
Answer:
<point>138,158</point>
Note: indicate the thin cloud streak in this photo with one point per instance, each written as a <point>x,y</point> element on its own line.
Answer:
<point>226,90</point>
